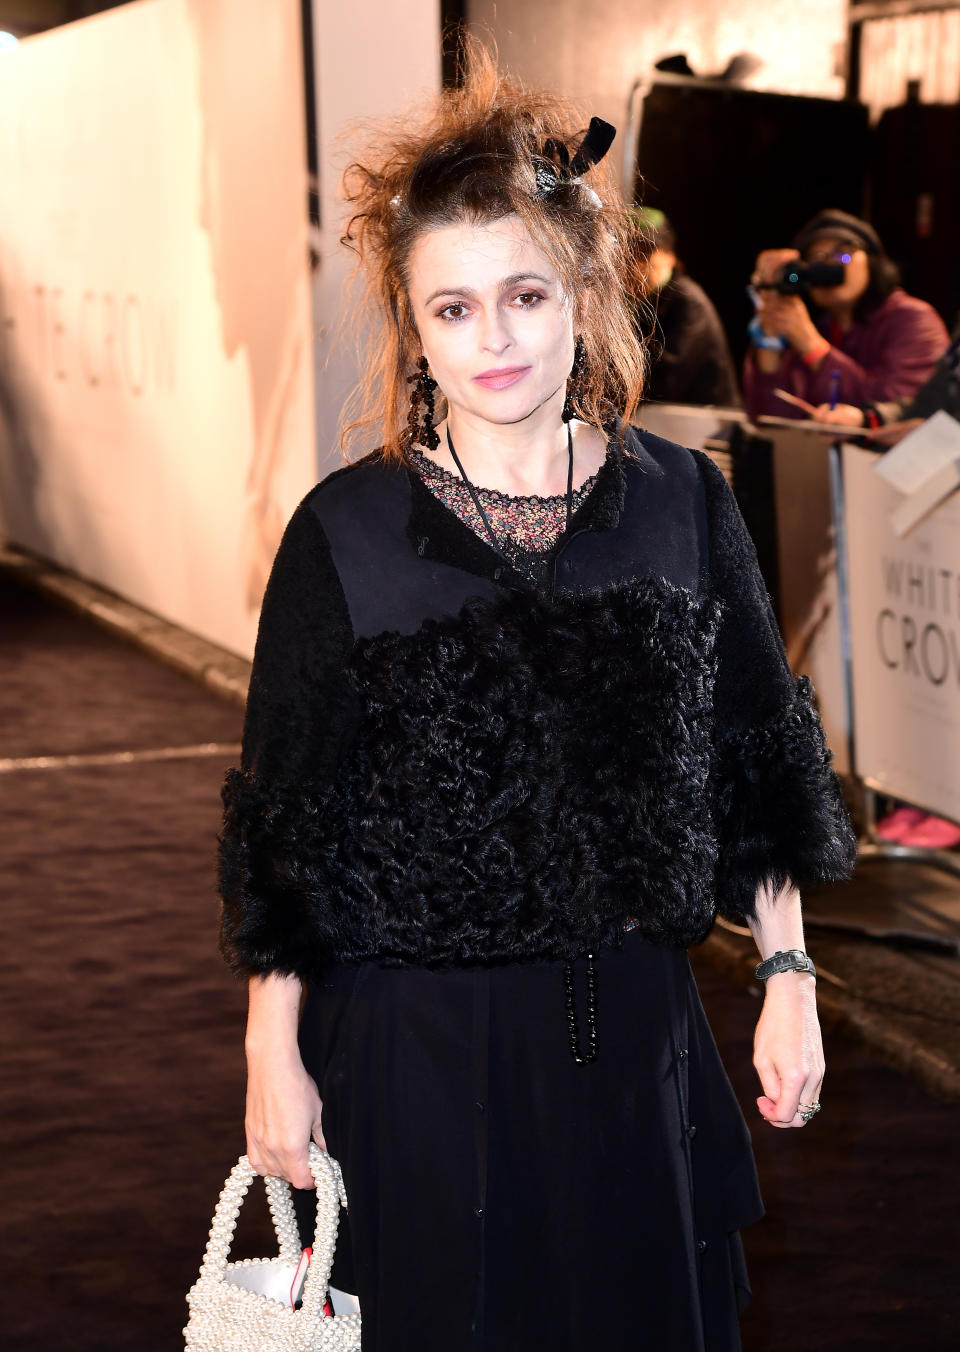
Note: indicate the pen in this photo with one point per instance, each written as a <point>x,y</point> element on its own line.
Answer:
<point>834,389</point>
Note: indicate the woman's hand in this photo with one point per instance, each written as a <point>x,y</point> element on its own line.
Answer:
<point>283,1104</point>
<point>788,1050</point>
<point>789,317</point>
<point>783,315</point>
<point>844,415</point>
<point>283,1115</point>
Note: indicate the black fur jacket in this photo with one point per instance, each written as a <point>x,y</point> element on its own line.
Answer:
<point>442,765</point>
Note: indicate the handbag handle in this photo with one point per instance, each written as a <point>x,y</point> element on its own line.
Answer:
<point>280,1202</point>
<point>331,1195</point>
<point>328,1180</point>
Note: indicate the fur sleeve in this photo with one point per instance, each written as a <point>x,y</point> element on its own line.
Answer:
<point>778,808</point>
<point>300,718</point>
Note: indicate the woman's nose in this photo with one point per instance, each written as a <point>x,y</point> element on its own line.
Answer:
<point>495,334</point>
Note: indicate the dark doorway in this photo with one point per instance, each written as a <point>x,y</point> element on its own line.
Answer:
<point>915,199</point>
<point>739,170</point>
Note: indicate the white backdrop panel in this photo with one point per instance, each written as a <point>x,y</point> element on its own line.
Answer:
<point>155,372</point>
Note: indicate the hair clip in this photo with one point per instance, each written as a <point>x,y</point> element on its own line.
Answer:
<point>546,176</point>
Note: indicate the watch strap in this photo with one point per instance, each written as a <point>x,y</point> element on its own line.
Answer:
<point>771,342</point>
<point>788,960</point>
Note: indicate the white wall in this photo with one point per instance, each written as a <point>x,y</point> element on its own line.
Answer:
<point>593,50</point>
<point>157,344</point>
<point>373,59</point>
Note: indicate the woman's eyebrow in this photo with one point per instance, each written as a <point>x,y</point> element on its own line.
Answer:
<point>504,285</point>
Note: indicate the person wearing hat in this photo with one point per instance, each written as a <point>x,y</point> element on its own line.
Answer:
<point>862,342</point>
<point>690,361</point>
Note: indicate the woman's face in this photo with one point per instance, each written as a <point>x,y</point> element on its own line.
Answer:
<point>495,323</point>
<point>856,273</point>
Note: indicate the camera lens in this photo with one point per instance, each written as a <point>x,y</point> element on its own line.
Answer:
<point>797,277</point>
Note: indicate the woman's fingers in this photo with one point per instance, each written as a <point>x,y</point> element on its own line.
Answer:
<point>791,1089</point>
<point>284,1155</point>
<point>798,1090</point>
<point>809,1098</point>
<point>299,1173</point>
<point>769,263</point>
<point>784,1107</point>
<point>770,1083</point>
<point>846,415</point>
<point>317,1131</point>
<point>784,1093</point>
<point>291,1162</point>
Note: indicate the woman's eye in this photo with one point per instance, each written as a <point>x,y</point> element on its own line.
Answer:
<point>453,312</point>
<point>528,299</point>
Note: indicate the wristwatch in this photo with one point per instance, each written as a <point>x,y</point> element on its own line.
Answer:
<point>791,960</point>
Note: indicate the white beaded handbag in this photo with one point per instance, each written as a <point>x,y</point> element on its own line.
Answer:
<point>247,1306</point>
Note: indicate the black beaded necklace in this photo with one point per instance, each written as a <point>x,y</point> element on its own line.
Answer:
<point>582,1058</point>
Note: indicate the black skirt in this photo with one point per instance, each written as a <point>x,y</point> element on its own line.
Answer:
<point>503,1197</point>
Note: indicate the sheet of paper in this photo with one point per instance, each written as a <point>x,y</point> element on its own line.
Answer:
<point>940,485</point>
<point>922,453</point>
<point>825,431</point>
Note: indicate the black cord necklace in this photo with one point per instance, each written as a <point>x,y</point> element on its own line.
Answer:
<point>497,543</point>
<point>582,1056</point>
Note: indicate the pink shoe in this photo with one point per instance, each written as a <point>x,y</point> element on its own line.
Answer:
<point>902,819</point>
<point>936,833</point>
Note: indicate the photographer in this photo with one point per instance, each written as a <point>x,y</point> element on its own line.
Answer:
<point>859,340</point>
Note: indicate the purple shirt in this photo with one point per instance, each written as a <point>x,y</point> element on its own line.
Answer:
<point>888,356</point>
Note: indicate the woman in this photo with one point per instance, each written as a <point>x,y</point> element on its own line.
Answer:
<point>865,341</point>
<point>519,724</point>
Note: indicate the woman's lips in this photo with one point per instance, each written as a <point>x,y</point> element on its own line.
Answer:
<point>501,379</point>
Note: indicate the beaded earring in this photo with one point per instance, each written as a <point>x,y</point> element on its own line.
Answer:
<point>420,426</point>
<point>574,380</point>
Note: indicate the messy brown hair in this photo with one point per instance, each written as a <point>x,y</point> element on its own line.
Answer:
<point>480,152</point>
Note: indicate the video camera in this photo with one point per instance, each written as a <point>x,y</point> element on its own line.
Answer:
<point>796,277</point>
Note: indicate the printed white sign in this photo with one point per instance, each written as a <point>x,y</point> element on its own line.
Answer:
<point>905,641</point>
<point>156,418</point>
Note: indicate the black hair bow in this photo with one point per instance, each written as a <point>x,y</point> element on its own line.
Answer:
<point>593,147</point>
<point>557,166</point>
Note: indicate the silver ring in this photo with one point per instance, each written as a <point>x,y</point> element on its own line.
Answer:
<point>807,1111</point>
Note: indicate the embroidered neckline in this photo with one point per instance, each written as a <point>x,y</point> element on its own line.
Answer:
<point>430,469</point>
